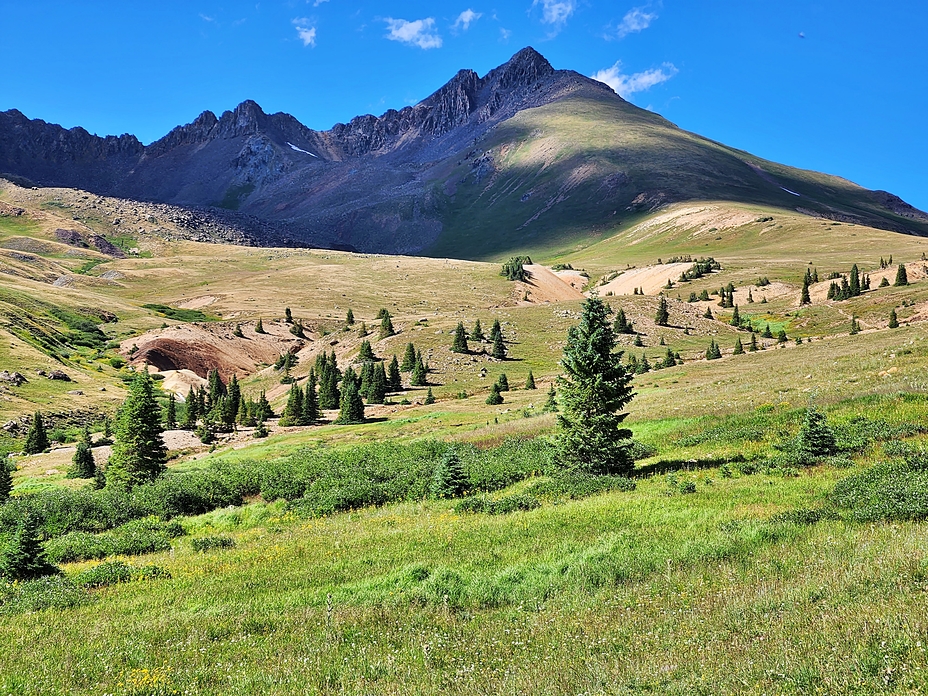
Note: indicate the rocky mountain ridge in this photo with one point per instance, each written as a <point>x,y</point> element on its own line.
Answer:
<point>391,183</point>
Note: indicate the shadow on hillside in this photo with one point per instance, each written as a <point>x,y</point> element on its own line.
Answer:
<point>665,466</point>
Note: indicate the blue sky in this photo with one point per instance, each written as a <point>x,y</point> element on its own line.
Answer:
<point>836,86</point>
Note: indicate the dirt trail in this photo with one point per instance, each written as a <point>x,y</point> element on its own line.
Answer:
<point>545,286</point>
<point>651,279</point>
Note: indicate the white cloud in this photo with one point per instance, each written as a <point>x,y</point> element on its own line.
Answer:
<point>467,17</point>
<point>627,85</point>
<point>305,31</point>
<point>504,34</point>
<point>556,12</point>
<point>419,33</point>
<point>207,18</point>
<point>316,3</point>
<point>635,20</point>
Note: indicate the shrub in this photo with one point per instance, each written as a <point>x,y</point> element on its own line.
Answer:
<point>203,544</point>
<point>502,506</point>
<point>146,535</point>
<point>103,575</point>
<point>888,491</point>
<point>578,485</point>
<point>52,592</point>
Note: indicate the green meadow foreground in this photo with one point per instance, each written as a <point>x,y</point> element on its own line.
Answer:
<point>318,560</point>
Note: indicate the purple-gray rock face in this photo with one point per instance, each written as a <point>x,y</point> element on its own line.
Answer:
<point>385,183</point>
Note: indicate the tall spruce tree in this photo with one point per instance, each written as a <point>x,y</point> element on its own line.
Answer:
<point>476,333</point>
<point>170,413</point>
<point>739,347</point>
<point>377,390</point>
<point>551,401</point>
<point>429,398</point>
<point>530,381</point>
<point>36,438</point>
<point>502,382</point>
<point>23,558</point>
<point>234,394</point>
<point>191,413</point>
<point>459,344</point>
<point>419,377</point>
<point>139,453</point>
<point>902,278</point>
<point>349,317</point>
<point>662,317</point>
<point>449,480</point>
<point>311,412</point>
<point>753,347</point>
<point>366,353</point>
<point>804,298</point>
<point>288,315</point>
<point>495,330</point>
<point>736,317</point>
<point>494,398</point>
<point>259,327</point>
<point>409,358</point>
<point>893,319</point>
<point>499,348</point>
<point>394,378</point>
<point>386,326</point>
<point>622,325</point>
<point>82,463</point>
<point>854,284</point>
<point>816,438</point>
<point>595,386</point>
<point>293,411</point>
<point>351,406</point>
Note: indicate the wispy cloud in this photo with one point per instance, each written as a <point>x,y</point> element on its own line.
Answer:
<point>556,12</point>
<point>504,34</point>
<point>627,85</point>
<point>635,20</point>
<point>207,18</point>
<point>316,3</point>
<point>466,18</point>
<point>420,32</point>
<point>305,31</point>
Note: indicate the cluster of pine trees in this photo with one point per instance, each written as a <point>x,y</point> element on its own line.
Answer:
<point>217,407</point>
<point>413,363</point>
<point>459,343</point>
<point>701,267</point>
<point>851,286</point>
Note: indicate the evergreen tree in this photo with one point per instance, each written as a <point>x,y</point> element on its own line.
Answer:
<point>82,464</point>
<point>449,479</point>
<point>781,336</point>
<point>263,409</point>
<point>429,398</point>
<point>638,343</point>
<point>814,275</point>
<point>736,317</point>
<point>662,317</point>
<point>494,398</point>
<point>854,285</point>
<point>288,316</point>
<point>476,333</point>
<point>551,401</point>
<point>739,347</point>
<point>351,406</point>
<point>234,394</point>
<point>394,379</point>
<point>386,326</point>
<point>530,381</point>
<point>713,352</point>
<point>753,346</point>
<point>260,429</point>
<point>816,438</point>
<point>191,413</point>
<point>293,411</point>
<point>622,325</point>
<point>419,376</point>
<point>349,317</point>
<point>767,332</point>
<point>6,482</point>
<point>238,331</point>
<point>296,329</point>
<point>495,330</point>
<point>382,313</point>
<point>36,438</point>
<point>24,558</point>
<point>377,390</point>
<point>750,297</point>
<point>217,388</point>
<point>459,345</point>
<point>259,327</point>
<point>329,395</point>
<point>884,282</point>
<point>902,277</point>
<point>804,298</point>
<point>367,353</point>
<point>139,453</point>
<point>593,389</point>
<point>362,331</point>
<point>499,348</point>
<point>807,279</point>
<point>409,358</point>
<point>503,382</point>
<point>170,413</point>
<point>643,365</point>
<point>704,296</point>
<point>855,326</point>
<point>893,319</point>
<point>311,412</point>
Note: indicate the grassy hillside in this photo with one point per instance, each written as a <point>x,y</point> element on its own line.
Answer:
<point>727,570</point>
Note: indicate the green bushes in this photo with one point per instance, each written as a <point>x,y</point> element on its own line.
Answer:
<point>116,572</point>
<point>889,491</point>
<point>53,592</point>
<point>572,486</point>
<point>208,543</point>
<point>145,535</point>
<point>501,506</point>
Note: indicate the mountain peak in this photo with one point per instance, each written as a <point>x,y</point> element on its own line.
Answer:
<point>524,68</point>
